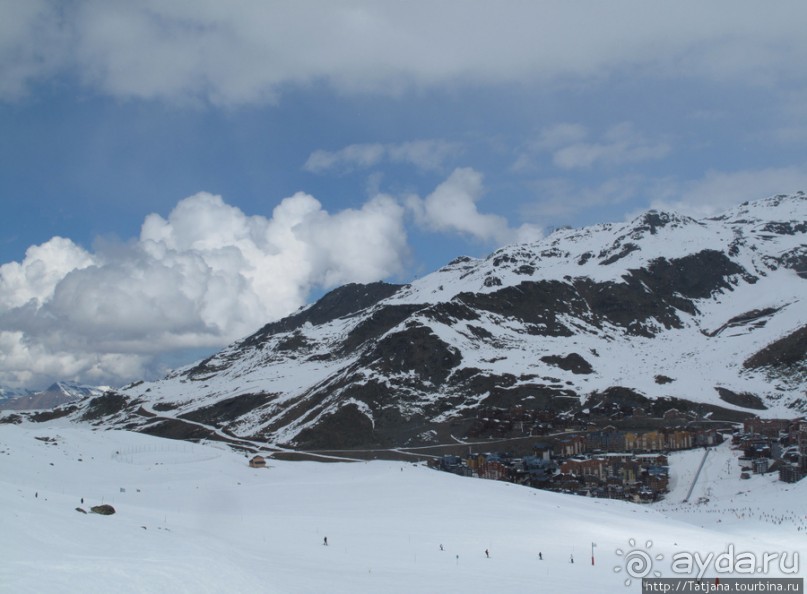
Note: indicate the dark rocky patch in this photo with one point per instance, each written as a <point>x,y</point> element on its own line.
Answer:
<point>756,317</point>
<point>571,362</point>
<point>43,416</point>
<point>377,324</point>
<point>743,399</point>
<point>228,409</point>
<point>348,427</point>
<point>104,509</point>
<point>663,379</point>
<point>104,406</point>
<point>340,302</point>
<point>492,281</point>
<point>535,303</point>
<point>788,354</point>
<point>624,251</point>
<point>415,349</point>
<point>164,406</point>
<point>449,313</point>
<point>295,342</point>
<point>696,276</point>
<point>178,429</point>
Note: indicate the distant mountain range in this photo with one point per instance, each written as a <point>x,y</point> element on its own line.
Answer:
<point>708,316</point>
<point>57,394</point>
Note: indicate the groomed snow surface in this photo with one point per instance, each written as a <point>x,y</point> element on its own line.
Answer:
<point>196,518</point>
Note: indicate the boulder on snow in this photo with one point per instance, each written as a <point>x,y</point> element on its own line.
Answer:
<point>104,509</point>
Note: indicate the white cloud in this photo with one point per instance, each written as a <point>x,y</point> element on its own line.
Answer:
<point>426,155</point>
<point>561,199</point>
<point>451,207</point>
<point>202,277</point>
<point>247,51</point>
<point>621,144</point>
<point>718,191</point>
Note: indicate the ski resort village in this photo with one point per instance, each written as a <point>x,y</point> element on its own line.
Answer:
<point>634,465</point>
<point>630,392</point>
<point>384,297</point>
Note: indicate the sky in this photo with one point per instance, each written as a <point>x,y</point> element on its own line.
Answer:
<point>174,175</point>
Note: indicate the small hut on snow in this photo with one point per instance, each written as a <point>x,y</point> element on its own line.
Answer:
<point>257,462</point>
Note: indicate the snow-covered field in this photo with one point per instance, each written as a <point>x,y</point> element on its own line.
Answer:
<point>196,518</point>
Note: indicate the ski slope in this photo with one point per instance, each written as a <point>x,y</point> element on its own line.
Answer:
<point>196,518</point>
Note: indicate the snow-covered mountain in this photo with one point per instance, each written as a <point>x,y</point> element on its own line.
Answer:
<point>708,316</point>
<point>57,394</point>
<point>9,393</point>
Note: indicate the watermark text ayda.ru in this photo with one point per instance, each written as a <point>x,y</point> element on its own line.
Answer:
<point>731,562</point>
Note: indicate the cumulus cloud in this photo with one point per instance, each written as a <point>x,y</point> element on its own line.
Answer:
<point>452,207</point>
<point>205,275</point>
<point>426,155</point>
<point>570,148</point>
<point>247,51</point>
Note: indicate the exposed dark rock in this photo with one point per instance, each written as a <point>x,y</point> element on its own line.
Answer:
<point>165,406</point>
<point>623,251</point>
<point>295,342</point>
<point>104,406</point>
<point>347,427</point>
<point>104,509</point>
<point>663,379</point>
<point>756,318</point>
<point>788,353</point>
<point>538,304</point>
<point>571,362</point>
<point>378,323</point>
<point>44,416</point>
<point>492,281</point>
<point>416,349</point>
<point>177,429</point>
<point>228,409</point>
<point>743,399</point>
<point>340,302</point>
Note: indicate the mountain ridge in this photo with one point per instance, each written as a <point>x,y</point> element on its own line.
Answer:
<point>701,314</point>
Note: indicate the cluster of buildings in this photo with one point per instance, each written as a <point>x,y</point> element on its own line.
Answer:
<point>604,463</point>
<point>771,445</point>
<point>632,465</point>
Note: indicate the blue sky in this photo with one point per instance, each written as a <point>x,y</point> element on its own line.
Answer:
<point>176,174</point>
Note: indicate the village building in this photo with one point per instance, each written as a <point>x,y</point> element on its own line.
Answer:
<point>257,462</point>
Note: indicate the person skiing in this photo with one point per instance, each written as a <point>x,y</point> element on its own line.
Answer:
<point>325,541</point>
<point>441,547</point>
<point>540,556</point>
<point>487,554</point>
<point>571,558</point>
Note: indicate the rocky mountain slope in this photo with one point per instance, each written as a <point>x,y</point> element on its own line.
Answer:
<point>707,315</point>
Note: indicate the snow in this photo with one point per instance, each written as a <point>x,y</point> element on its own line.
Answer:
<point>196,518</point>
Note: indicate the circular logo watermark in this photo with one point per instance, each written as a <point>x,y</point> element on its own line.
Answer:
<point>637,562</point>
